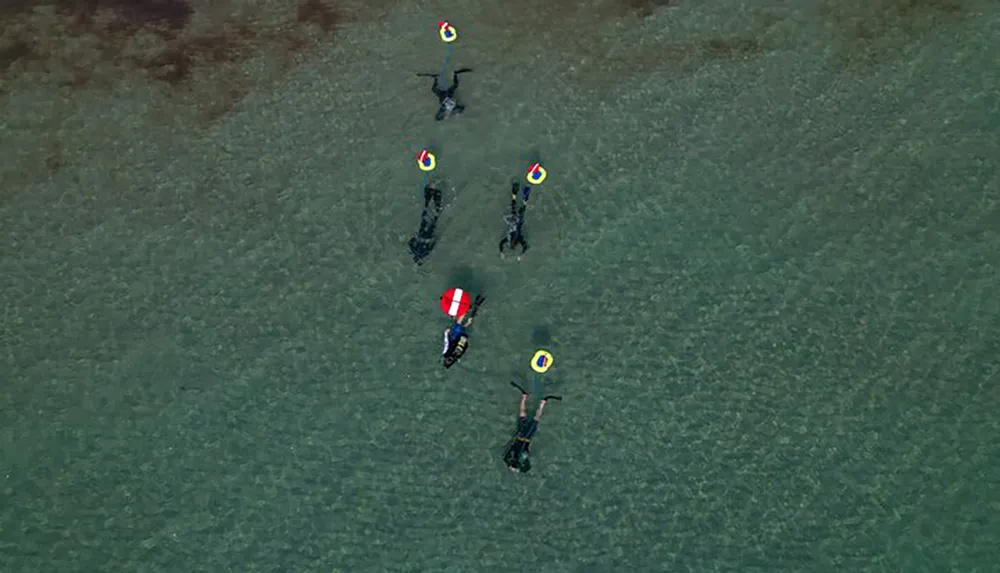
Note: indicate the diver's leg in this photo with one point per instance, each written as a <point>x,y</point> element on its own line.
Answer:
<point>524,246</point>
<point>523,409</point>
<point>514,188</point>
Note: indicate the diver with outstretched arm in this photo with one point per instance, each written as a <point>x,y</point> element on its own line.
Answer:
<point>423,242</point>
<point>448,104</point>
<point>456,337</point>
<point>515,222</point>
<point>517,456</point>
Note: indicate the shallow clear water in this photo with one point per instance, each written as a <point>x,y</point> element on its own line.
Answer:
<point>765,261</point>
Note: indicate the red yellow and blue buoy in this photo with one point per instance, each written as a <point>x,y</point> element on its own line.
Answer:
<point>541,361</point>
<point>447,32</point>
<point>536,174</point>
<point>426,161</point>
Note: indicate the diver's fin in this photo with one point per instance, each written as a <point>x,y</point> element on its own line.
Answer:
<point>462,70</point>
<point>523,391</point>
<point>550,397</point>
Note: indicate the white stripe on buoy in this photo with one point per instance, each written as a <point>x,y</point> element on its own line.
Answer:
<point>456,301</point>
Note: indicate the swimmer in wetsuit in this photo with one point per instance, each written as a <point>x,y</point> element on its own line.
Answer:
<point>423,242</point>
<point>515,222</point>
<point>448,105</point>
<point>517,456</point>
<point>456,338</point>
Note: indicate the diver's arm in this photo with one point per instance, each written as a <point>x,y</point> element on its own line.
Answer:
<point>454,77</point>
<point>436,87</point>
<point>541,405</point>
<point>538,414</point>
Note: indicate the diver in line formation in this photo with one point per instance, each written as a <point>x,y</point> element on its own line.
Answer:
<point>448,105</point>
<point>515,222</point>
<point>423,242</point>
<point>517,456</point>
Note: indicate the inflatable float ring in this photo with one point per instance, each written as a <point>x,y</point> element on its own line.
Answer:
<point>541,361</point>
<point>536,174</point>
<point>447,32</point>
<point>426,161</point>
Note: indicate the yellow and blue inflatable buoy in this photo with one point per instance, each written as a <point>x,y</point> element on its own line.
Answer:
<point>536,174</point>
<point>426,161</point>
<point>447,32</point>
<point>541,361</point>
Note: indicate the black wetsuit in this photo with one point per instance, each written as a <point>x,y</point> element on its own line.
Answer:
<point>423,242</point>
<point>518,453</point>
<point>449,106</point>
<point>515,223</point>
